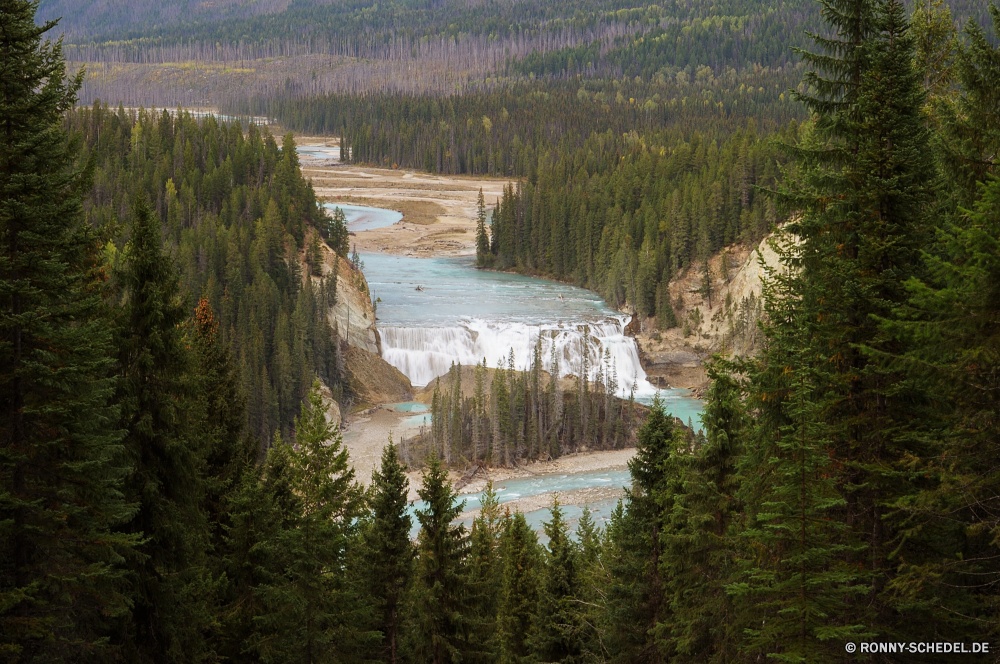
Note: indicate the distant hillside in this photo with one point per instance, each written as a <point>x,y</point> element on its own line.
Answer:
<point>86,18</point>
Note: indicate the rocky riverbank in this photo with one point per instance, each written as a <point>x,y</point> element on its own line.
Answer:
<point>707,323</point>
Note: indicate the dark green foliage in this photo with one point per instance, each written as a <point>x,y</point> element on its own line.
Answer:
<point>953,328</point>
<point>336,233</point>
<point>486,572</point>
<point>865,200</point>
<point>799,590</point>
<point>159,413</point>
<point>233,211</point>
<point>310,610</point>
<point>251,562</point>
<point>636,600</point>
<point>519,589</point>
<point>698,542</point>
<point>443,610</point>
<point>484,257</point>
<point>622,219</point>
<point>61,466</point>
<point>556,634</point>
<point>227,447</point>
<point>969,140</point>
<point>388,556</point>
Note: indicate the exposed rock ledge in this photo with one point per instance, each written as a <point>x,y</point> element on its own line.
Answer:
<point>672,360</point>
<point>372,379</point>
<point>353,313</point>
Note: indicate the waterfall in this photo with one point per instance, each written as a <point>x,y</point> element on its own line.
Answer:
<point>424,353</point>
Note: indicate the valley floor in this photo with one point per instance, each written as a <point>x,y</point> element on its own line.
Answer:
<point>439,212</point>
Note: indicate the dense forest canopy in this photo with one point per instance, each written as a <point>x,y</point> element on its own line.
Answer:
<point>236,216</point>
<point>171,489</point>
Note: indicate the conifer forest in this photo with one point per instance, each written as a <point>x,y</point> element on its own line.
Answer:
<point>193,350</point>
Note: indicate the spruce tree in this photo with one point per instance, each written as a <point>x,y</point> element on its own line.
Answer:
<point>311,612</point>
<point>519,589</point>
<point>442,619</point>
<point>486,570</point>
<point>227,446</point>
<point>636,601</point>
<point>969,140</point>
<point>388,553</point>
<point>556,632</point>
<point>156,395</point>
<point>60,446</point>
<point>698,547</point>
<point>952,325</point>
<point>797,579</point>
<point>483,255</point>
<point>251,562</point>
<point>865,212</point>
<point>593,580</point>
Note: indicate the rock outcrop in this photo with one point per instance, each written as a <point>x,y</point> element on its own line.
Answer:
<point>331,405</point>
<point>371,379</point>
<point>727,320</point>
<point>375,381</point>
<point>353,313</point>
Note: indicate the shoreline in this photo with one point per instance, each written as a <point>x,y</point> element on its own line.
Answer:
<point>366,435</point>
<point>439,211</point>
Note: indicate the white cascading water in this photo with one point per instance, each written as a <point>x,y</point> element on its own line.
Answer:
<point>424,353</point>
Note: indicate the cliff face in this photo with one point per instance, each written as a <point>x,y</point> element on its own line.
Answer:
<point>725,321</point>
<point>353,313</point>
<point>371,378</point>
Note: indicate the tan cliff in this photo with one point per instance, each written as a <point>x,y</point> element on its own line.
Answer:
<point>726,321</point>
<point>353,312</point>
<point>372,380</point>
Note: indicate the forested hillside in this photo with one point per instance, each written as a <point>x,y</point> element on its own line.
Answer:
<point>235,213</point>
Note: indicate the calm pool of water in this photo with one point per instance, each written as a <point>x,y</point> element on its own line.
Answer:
<point>363,218</point>
<point>319,152</point>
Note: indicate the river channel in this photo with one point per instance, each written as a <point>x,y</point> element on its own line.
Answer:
<point>432,312</point>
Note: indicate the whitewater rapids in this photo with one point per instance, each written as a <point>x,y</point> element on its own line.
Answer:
<point>424,353</point>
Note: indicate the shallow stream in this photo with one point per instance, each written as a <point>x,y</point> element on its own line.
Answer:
<point>364,218</point>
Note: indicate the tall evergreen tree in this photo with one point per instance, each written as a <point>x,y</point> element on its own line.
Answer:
<point>954,318</point>
<point>593,581</point>
<point>797,594</point>
<point>636,593</point>
<point>698,544</point>
<point>519,589</point>
<point>226,444</point>
<point>865,213</point>
<point>387,552</point>
<point>442,625</point>
<point>483,255</point>
<point>60,447</point>
<point>969,140</point>
<point>251,563</point>
<point>155,390</point>
<point>556,634</point>
<point>486,570</point>
<point>311,613</point>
